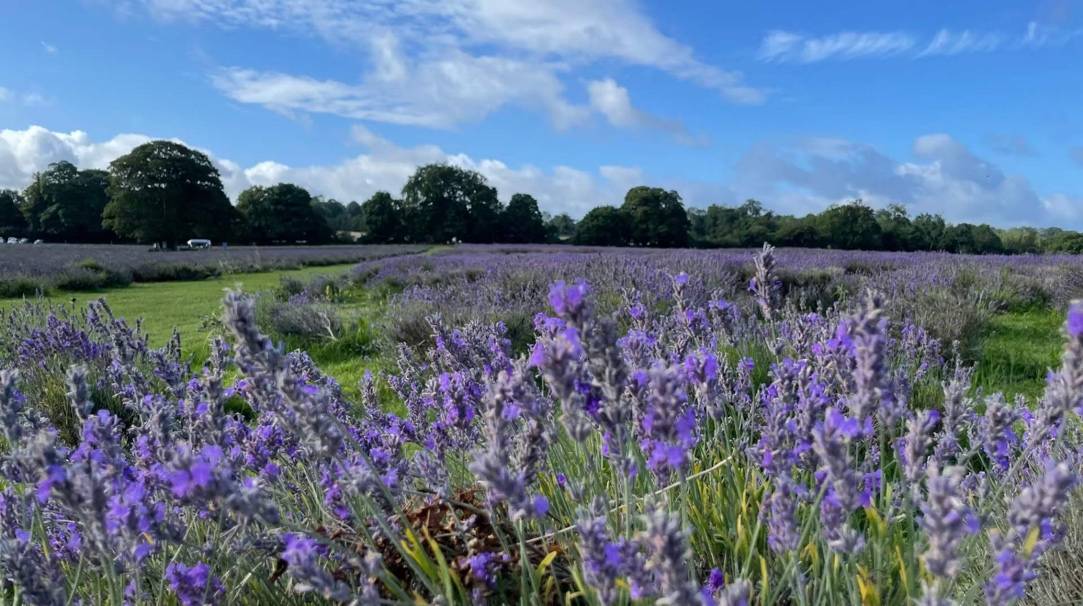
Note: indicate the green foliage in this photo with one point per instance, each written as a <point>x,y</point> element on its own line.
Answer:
<point>89,275</point>
<point>12,222</point>
<point>14,287</point>
<point>64,203</point>
<point>746,225</point>
<point>282,213</point>
<point>850,226</point>
<point>444,203</point>
<point>165,192</point>
<point>656,217</point>
<point>522,221</point>
<point>383,219</point>
<point>338,216</point>
<point>604,226</point>
<point>560,228</point>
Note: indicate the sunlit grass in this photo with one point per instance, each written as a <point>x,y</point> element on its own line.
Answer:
<point>1017,350</point>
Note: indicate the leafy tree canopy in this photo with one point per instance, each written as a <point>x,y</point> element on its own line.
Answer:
<point>165,192</point>
<point>522,220</point>
<point>65,203</point>
<point>283,213</point>
<point>444,203</point>
<point>603,226</point>
<point>12,222</point>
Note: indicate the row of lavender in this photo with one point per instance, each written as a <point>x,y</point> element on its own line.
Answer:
<point>26,270</point>
<point>687,448</point>
<point>950,295</point>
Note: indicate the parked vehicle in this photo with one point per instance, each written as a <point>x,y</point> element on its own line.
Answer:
<point>196,243</point>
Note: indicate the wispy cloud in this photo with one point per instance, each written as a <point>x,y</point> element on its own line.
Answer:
<point>779,46</point>
<point>49,48</point>
<point>451,62</point>
<point>612,100</point>
<point>788,46</point>
<point>947,42</point>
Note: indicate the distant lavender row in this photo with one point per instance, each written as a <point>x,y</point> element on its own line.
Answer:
<point>48,259</point>
<point>949,294</point>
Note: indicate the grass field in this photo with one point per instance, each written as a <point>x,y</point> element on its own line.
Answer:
<point>1016,351</point>
<point>1012,356</point>
<point>187,306</point>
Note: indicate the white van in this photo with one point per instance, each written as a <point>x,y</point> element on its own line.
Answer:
<point>199,243</point>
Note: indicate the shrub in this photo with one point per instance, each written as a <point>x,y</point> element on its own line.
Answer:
<point>13,287</point>
<point>306,321</point>
<point>89,275</point>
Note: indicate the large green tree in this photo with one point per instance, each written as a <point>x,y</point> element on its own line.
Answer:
<point>522,221</point>
<point>445,203</point>
<point>12,222</point>
<point>850,226</point>
<point>603,226</point>
<point>282,213</point>
<point>656,217</point>
<point>65,203</point>
<point>165,192</point>
<point>383,219</point>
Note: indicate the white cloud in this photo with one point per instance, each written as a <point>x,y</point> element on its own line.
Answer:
<point>28,99</point>
<point>612,100</point>
<point>783,46</point>
<point>483,53</point>
<point>947,42</point>
<point>24,152</point>
<point>788,46</point>
<point>440,91</point>
<point>383,165</point>
<point>49,48</point>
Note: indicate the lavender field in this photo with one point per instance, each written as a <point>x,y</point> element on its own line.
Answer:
<point>556,425</point>
<point>26,269</point>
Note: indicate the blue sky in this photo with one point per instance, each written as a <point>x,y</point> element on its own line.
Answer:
<point>967,108</point>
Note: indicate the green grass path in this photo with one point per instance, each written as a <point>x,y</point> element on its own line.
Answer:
<point>184,305</point>
<point>1017,350</point>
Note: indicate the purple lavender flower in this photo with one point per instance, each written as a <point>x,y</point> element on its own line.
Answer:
<point>194,585</point>
<point>1031,531</point>
<point>946,520</point>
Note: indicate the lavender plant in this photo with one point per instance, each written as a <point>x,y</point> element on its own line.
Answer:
<point>685,445</point>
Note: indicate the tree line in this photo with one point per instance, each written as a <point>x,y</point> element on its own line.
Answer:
<point>163,192</point>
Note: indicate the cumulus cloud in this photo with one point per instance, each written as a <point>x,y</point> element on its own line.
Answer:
<point>445,63</point>
<point>382,165</point>
<point>24,152</point>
